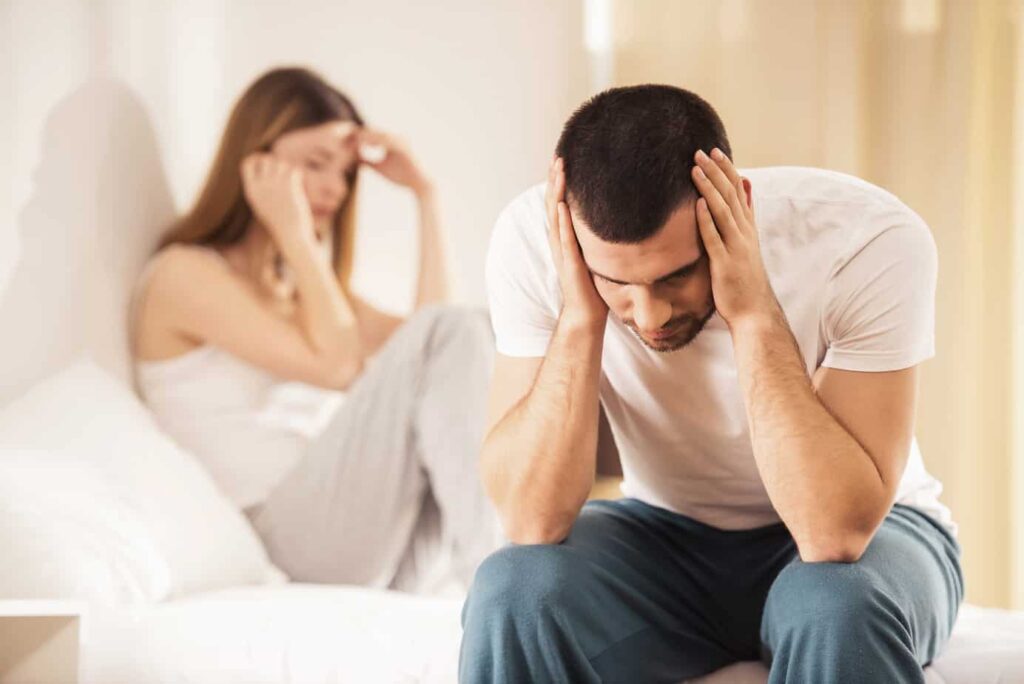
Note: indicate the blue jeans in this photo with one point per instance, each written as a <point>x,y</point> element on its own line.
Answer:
<point>641,594</point>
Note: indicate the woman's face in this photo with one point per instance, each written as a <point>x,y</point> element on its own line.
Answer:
<point>327,154</point>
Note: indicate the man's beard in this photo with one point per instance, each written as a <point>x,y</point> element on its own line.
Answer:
<point>689,327</point>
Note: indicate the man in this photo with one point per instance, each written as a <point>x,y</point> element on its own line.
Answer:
<point>753,340</point>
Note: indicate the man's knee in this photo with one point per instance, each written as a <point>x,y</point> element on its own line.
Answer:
<point>838,599</point>
<point>522,582</point>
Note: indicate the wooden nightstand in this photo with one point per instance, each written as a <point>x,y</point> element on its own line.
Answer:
<point>39,642</point>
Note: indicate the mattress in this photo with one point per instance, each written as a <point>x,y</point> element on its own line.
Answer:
<point>285,634</point>
<point>987,647</point>
<point>312,634</point>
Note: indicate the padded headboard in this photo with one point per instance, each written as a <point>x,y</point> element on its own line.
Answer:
<point>100,199</point>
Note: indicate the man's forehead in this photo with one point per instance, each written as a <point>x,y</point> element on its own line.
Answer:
<point>675,245</point>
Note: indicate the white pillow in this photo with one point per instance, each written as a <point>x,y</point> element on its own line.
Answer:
<point>206,542</point>
<point>66,534</point>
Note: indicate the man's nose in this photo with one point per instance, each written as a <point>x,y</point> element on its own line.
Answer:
<point>650,313</point>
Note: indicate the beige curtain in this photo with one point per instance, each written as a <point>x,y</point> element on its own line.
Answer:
<point>920,97</point>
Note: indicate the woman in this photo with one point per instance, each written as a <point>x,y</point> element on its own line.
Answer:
<point>349,436</point>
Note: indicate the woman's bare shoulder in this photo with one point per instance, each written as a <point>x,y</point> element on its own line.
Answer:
<point>172,277</point>
<point>180,268</point>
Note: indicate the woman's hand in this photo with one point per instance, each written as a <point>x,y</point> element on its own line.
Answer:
<point>273,188</point>
<point>397,164</point>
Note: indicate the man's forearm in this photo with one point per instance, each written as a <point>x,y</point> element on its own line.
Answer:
<point>539,460</point>
<point>824,485</point>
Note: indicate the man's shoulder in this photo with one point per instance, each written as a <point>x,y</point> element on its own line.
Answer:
<point>834,207</point>
<point>519,240</point>
<point>809,185</point>
<point>521,228</point>
<point>525,210</point>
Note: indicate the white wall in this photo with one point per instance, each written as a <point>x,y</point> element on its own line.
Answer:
<point>111,112</point>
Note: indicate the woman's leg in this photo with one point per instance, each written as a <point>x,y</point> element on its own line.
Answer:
<point>449,431</point>
<point>349,511</point>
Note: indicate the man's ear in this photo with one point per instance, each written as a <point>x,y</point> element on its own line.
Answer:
<point>748,191</point>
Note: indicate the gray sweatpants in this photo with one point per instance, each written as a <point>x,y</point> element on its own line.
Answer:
<point>389,495</point>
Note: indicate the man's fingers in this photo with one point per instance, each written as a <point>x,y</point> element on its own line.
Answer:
<point>549,193</point>
<point>708,232</point>
<point>553,196</point>
<point>559,186</point>
<point>735,179</point>
<point>723,183</point>
<point>720,210</point>
<point>555,190</point>
<point>748,208</point>
<point>570,246</point>
<point>724,163</point>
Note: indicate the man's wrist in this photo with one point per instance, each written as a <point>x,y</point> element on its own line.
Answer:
<point>756,324</point>
<point>582,326</point>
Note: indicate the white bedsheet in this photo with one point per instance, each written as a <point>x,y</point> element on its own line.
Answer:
<point>288,634</point>
<point>987,647</point>
<point>306,634</point>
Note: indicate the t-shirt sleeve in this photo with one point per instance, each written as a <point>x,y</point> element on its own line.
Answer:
<point>522,285</point>
<point>879,310</point>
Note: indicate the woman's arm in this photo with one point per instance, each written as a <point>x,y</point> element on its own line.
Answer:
<point>193,294</point>
<point>433,282</point>
<point>375,326</point>
<point>433,285</point>
<point>274,190</point>
<point>323,311</point>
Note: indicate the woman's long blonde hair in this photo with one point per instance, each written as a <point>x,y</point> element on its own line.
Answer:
<point>279,101</point>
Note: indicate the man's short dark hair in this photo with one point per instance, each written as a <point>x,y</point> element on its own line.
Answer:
<point>628,153</point>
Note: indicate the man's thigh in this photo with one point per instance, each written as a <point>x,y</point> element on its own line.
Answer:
<point>641,593</point>
<point>908,583</point>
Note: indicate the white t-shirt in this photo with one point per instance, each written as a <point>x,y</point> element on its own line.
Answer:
<point>853,268</point>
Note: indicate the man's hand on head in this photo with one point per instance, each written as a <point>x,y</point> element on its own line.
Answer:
<point>725,217</point>
<point>581,303</point>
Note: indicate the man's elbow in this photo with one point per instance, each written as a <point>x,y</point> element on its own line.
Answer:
<point>536,529</point>
<point>845,546</point>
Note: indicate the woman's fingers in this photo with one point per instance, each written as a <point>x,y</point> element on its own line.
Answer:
<point>246,167</point>
<point>371,136</point>
<point>374,138</point>
<point>341,131</point>
<point>374,146</point>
